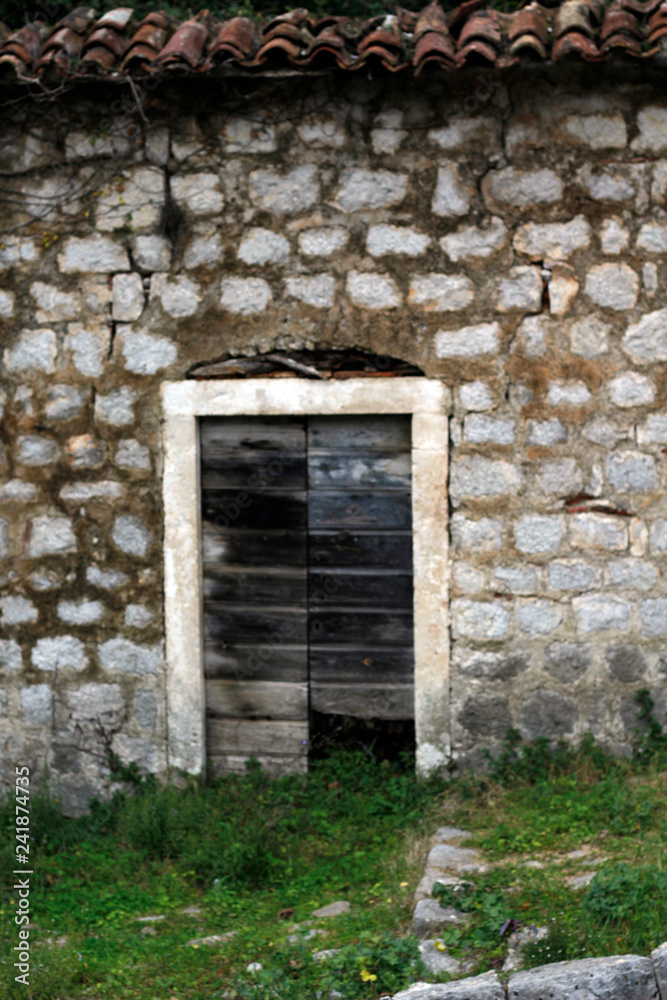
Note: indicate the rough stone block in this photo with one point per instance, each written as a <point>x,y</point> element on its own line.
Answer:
<point>557,240</point>
<point>17,251</point>
<point>441,292</point>
<point>383,239</point>
<point>539,617</point>
<point>135,197</point>
<point>589,336</point>
<point>466,131</point>
<point>117,408</point>
<point>145,353</point>
<point>476,477</point>
<point>452,196</point>
<point>567,661</point>
<point>535,534</point>
<point>323,242</point>
<point>518,579</point>
<point>625,662</point>
<point>54,304</point>
<point>92,254</point>
<point>485,716</point>
<point>627,976</point>
<point>563,289</point>
<point>522,189</point>
<point>203,251</point>
<point>548,714</point>
<point>467,579</point>
<point>568,394</point>
<point>58,653</point>
<point>88,347</point>
<point>603,432</point>
<point>429,917</point>
<point>244,296</point>
<point>17,611</point>
<point>130,454</point>
<point>614,237</point>
<point>652,237</point>
<point>16,489</point>
<point>37,704</point>
<point>484,987</point>
<point>198,194</point>
<point>263,246</point>
<point>483,536</point>
<point>521,290</point>
<point>7,304</point>
<point>387,135</point>
<point>482,620</point>
<point>560,476</point>
<point>476,396</point>
<point>32,350</point>
<point>290,193</point>
<point>110,579</point>
<point>138,616</point>
<point>636,573</point>
<point>659,961</point>
<point>152,253</point>
<point>546,433</point>
<point>80,612</point>
<point>658,533</point>
<point>11,658</point>
<point>127,297</point>
<point>468,342</point>
<point>654,617</point>
<point>597,131</point>
<point>601,613</point>
<point>129,657</point>
<point>85,452</point>
<point>480,429</point>
<point>611,185</point>
<point>33,449</point>
<point>372,291</point>
<point>92,702</point>
<point>323,132</point>
<point>598,531</point>
<point>646,341</point>
<point>130,535</point>
<point>631,472</point>
<point>179,296</point>
<point>652,124</point>
<point>64,402</point>
<point>50,536</point>
<point>572,574</point>
<point>470,242</point>
<point>631,389</point>
<point>614,286</point>
<point>317,291</point>
<point>145,710</point>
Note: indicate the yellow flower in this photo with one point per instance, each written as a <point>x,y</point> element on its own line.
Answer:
<point>403,885</point>
<point>368,977</point>
<point>440,946</point>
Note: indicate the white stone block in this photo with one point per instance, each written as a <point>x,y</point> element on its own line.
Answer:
<point>636,573</point>
<point>383,239</point>
<point>131,535</point>
<point>654,617</point>
<point>614,237</point>
<point>563,288</point>
<point>631,389</point>
<point>88,347</point>
<point>58,653</point>
<point>598,531</point>
<point>49,535</point>
<point>105,489</point>
<point>244,296</point>
<point>152,253</point>
<point>472,242</point>
<point>138,616</point>
<point>481,620</point>
<point>483,537</point>
<point>572,574</point>
<point>480,429</point>
<point>37,704</point>
<point>476,396</point>
<point>323,242</point>
<point>589,336</point>
<point>179,296</point>
<point>17,611</point>
<point>539,617</point>
<point>16,251</point>
<point>522,289</point>
<point>652,124</point>
<point>92,254</point>
<point>372,291</point>
<point>54,304</point>
<point>249,136</point>
<point>7,304</point>
<point>597,131</point>
<point>262,246</point>
<point>117,408</point>
<point>518,579</point>
<point>198,194</point>
<point>568,394</point>
<point>324,132</point>
<point>452,196</point>
<point>441,292</point>
<point>64,402</point>
<point>145,353</point>
<point>614,286</point>
<point>33,449</point>
<point>127,292</point>
<point>468,342</point>
<point>11,658</point>
<point>631,472</point>
<point>370,189</point>
<point>476,477</point>
<point>560,476</point>
<point>556,240</point>
<point>535,534</point>
<point>317,291</point>
<point>387,134</point>
<point>80,612</point>
<point>134,198</point>
<point>546,433</point>
<point>130,454</point>
<point>652,237</point>
<point>646,341</point>
<point>464,132</point>
<point>611,185</point>
<point>285,194</point>
<point>32,350</point>
<point>601,613</point>
<point>110,579</point>
<point>129,657</point>
<point>203,251</point>
<point>523,188</point>
<point>654,430</point>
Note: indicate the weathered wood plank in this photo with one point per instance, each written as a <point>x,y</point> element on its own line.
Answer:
<point>253,470</point>
<point>364,589</point>
<point>276,766</point>
<point>220,434</point>
<point>360,433</point>
<point>257,737</point>
<point>256,700</point>
<point>258,625</point>
<point>354,471</point>
<point>367,664</point>
<point>264,587</point>
<point>360,627</point>
<point>368,550</point>
<point>243,509</point>
<point>263,662</point>
<point>333,509</point>
<point>280,548</point>
<point>364,701</point>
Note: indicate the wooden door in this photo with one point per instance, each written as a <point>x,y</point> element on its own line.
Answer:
<point>307,555</point>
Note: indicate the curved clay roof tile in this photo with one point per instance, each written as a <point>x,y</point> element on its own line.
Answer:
<point>108,39</point>
<point>278,50</point>
<point>185,45</point>
<point>643,8</point>
<point>434,47</point>
<point>575,44</point>
<point>236,39</point>
<point>25,44</point>
<point>431,18</point>
<point>484,25</point>
<point>575,16</point>
<point>630,46</point>
<point>118,19</point>
<point>477,50</point>
<point>528,45</point>
<point>529,21</point>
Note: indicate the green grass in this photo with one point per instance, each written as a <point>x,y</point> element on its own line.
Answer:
<point>259,855</point>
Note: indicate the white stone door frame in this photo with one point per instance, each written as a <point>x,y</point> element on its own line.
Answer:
<point>183,403</point>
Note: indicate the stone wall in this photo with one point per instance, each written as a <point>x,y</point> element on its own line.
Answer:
<point>507,233</point>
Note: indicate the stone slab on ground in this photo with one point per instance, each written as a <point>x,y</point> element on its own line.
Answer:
<point>430,877</point>
<point>659,959</point>
<point>332,910</point>
<point>457,859</point>
<point>437,962</point>
<point>484,987</point>
<point>429,917</point>
<point>444,834</point>
<point>619,977</point>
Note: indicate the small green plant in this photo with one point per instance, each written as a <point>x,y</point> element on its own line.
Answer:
<point>652,741</point>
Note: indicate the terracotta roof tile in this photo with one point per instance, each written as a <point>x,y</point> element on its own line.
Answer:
<point>81,45</point>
